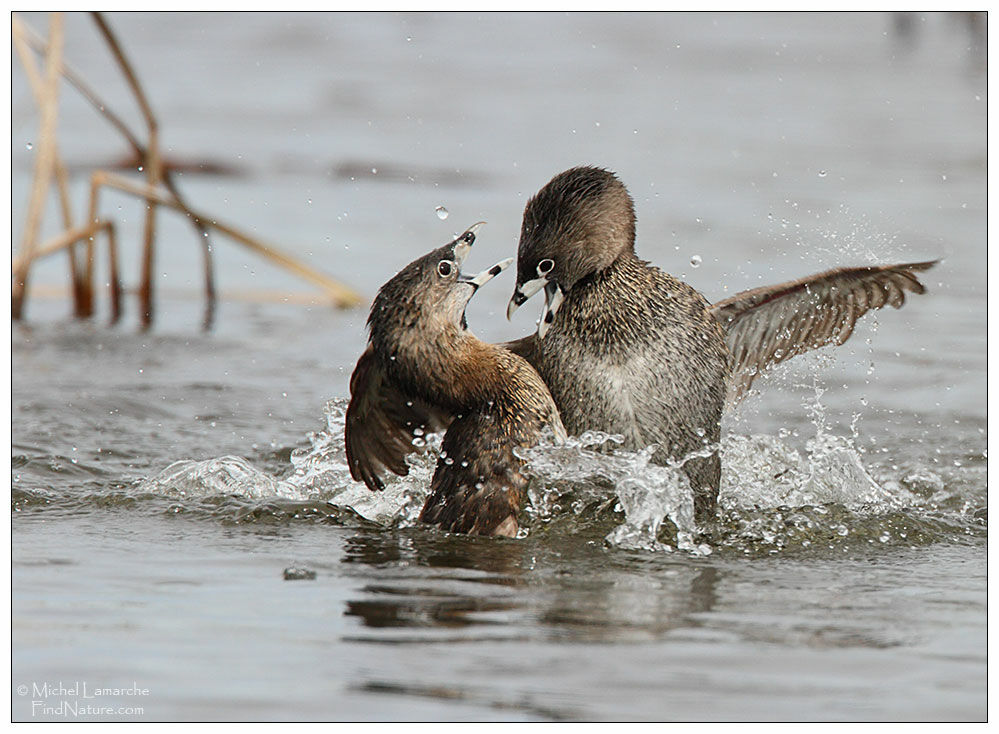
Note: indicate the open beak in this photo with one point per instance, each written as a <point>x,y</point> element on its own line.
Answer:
<point>522,293</point>
<point>486,275</point>
<point>463,243</point>
<point>553,299</point>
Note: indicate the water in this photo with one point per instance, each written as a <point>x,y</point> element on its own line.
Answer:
<point>166,485</point>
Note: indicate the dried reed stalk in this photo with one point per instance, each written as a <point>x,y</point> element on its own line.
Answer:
<point>62,177</point>
<point>67,240</point>
<point>156,174</point>
<point>152,166</point>
<point>339,294</point>
<point>142,153</point>
<point>44,161</point>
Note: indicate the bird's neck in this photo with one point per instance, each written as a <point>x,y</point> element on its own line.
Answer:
<point>449,367</point>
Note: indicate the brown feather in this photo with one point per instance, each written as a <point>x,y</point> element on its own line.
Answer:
<point>381,423</point>
<point>766,326</point>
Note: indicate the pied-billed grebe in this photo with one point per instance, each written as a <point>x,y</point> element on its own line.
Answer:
<point>628,349</point>
<point>423,370</point>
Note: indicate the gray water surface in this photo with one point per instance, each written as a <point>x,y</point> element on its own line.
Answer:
<point>846,576</point>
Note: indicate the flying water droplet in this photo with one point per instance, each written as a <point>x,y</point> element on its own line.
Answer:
<point>29,146</point>
<point>695,261</point>
<point>441,212</point>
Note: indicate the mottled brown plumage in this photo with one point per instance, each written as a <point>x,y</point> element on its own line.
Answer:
<point>628,349</point>
<point>424,370</point>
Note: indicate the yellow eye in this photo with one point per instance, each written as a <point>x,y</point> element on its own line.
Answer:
<point>445,268</point>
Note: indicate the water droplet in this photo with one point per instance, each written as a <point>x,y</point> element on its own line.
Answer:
<point>374,170</point>
<point>29,146</point>
<point>822,174</point>
<point>695,261</point>
<point>140,169</point>
<point>441,212</point>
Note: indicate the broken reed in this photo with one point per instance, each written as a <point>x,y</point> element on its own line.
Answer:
<point>160,189</point>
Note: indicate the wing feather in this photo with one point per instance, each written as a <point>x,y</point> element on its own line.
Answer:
<point>381,422</point>
<point>768,325</point>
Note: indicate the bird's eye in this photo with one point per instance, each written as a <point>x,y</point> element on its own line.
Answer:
<point>445,268</point>
<point>545,266</point>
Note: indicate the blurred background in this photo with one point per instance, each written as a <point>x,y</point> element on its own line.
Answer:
<point>753,140</point>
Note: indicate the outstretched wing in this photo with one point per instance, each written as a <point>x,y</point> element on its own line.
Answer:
<point>380,423</point>
<point>768,325</point>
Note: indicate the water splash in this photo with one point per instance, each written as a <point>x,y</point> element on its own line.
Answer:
<point>228,475</point>
<point>322,468</point>
<point>319,474</point>
<point>774,497</point>
<point>590,473</point>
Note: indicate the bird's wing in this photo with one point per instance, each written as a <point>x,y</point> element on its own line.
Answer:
<point>381,421</point>
<point>768,325</point>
